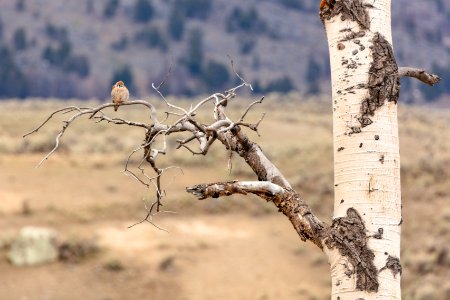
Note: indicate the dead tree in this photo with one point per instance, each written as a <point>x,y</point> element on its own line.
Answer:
<point>363,240</point>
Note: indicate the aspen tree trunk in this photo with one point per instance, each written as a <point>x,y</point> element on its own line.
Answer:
<point>364,253</point>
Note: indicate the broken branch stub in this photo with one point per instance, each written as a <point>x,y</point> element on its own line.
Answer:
<point>419,74</point>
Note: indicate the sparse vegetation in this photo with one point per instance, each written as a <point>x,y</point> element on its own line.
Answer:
<point>194,56</point>
<point>247,21</point>
<point>143,11</point>
<point>14,81</point>
<point>152,37</point>
<point>199,9</point>
<point>215,75</point>
<point>176,23</point>
<point>20,39</point>
<point>110,8</point>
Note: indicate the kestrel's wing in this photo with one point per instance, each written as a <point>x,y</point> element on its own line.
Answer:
<point>115,97</point>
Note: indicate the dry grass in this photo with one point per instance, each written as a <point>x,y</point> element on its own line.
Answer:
<point>80,191</point>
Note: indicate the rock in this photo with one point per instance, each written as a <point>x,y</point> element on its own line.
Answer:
<point>33,246</point>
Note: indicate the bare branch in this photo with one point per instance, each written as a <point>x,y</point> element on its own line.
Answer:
<point>272,185</point>
<point>250,107</point>
<point>92,115</point>
<point>62,110</point>
<point>420,74</point>
<point>120,121</point>
<point>214,190</point>
<point>239,76</point>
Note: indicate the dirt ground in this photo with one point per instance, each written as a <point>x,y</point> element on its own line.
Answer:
<point>202,256</point>
<point>232,248</point>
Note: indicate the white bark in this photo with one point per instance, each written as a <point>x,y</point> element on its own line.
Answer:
<point>367,163</point>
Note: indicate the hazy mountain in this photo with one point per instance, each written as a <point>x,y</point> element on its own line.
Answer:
<point>77,48</point>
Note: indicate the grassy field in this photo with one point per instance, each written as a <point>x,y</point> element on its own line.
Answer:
<point>234,248</point>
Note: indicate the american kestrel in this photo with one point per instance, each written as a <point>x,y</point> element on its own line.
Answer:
<point>119,94</point>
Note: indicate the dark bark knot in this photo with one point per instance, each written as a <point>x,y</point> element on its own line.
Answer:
<point>384,81</point>
<point>353,10</point>
<point>348,235</point>
<point>393,264</point>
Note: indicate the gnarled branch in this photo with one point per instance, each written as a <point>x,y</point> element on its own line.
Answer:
<point>272,185</point>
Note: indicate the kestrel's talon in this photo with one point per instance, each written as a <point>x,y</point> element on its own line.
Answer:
<point>119,94</point>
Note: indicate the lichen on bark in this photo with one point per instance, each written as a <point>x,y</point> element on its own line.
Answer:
<point>384,81</point>
<point>348,235</point>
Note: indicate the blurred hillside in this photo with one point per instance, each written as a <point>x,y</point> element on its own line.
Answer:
<point>78,48</point>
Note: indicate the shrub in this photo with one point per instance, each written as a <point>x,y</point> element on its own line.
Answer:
<point>215,75</point>
<point>194,57</point>
<point>199,9</point>
<point>57,56</point>
<point>152,37</point>
<point>143,11</point>
<point>78,64</point>
<point>246,21</point>
<point>293,4</point>
<point>20,39</point>
<point>110,8</point>
<point>56,33</point>
<point>281,85</point>
<point>14,81</point>
<point>175,27</point>
<point>121,44</point>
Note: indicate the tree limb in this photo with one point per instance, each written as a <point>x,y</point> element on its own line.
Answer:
<point>272,185</point>
<point>420,74</point>
<point>289,202</point>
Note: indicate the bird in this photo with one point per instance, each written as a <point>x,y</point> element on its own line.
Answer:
<point>119,94</point>
<point>327,4</point>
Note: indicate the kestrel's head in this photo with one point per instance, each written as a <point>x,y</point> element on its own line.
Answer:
<point>120,83</point>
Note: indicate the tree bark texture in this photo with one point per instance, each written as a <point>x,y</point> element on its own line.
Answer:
<point>364,243</point>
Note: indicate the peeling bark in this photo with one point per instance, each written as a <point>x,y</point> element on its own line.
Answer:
<point>384,80</point>
<point>253,155</point>
<point>348,235</point>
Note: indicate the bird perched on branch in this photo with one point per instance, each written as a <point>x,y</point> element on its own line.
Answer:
<point>119,94</point>
<point>327,4</point>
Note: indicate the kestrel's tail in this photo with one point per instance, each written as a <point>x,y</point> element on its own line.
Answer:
<point>116,107</point>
